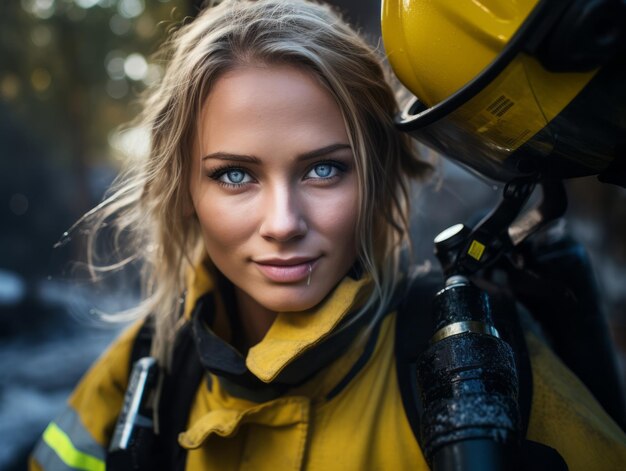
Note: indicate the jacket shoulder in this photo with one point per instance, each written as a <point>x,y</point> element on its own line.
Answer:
<point>99,396</point>
<point>77,438</point>
<point>566,416</point>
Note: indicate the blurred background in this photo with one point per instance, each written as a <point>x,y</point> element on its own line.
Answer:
<point>70,74</point>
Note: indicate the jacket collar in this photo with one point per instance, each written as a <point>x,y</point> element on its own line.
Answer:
<point>290,352</point>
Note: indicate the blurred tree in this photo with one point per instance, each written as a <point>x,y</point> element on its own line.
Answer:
<point>70,72</point>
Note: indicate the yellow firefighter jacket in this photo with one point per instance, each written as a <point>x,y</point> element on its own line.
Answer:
<point>347,416</point>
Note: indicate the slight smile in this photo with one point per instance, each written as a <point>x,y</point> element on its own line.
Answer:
<point>291,270</point>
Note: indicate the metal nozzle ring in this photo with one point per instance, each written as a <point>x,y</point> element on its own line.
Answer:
<point>462,327</point>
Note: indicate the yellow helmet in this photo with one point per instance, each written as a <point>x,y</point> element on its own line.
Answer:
<point>514,87</point>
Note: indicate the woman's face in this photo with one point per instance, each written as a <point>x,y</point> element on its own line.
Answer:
<point>274,186</point>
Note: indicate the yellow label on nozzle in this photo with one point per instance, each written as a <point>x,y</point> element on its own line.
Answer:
<point>476,250</point>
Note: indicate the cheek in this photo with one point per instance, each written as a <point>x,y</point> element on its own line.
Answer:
<point>336,217</point>
<point>223,227</point>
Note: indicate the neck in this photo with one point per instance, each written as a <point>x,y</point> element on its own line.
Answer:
<point>254,319</point>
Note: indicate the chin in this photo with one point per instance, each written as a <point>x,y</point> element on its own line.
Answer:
<point>291,302</point>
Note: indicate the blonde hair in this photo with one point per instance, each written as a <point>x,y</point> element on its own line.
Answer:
<point>147,203</point>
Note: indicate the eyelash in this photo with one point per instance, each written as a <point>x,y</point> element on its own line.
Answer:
<point>340,167</point>
<point>218,173</point>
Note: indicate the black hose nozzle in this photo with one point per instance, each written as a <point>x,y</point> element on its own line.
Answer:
<point>469,385</point>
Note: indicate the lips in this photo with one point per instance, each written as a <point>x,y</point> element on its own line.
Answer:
<point>291,270</point>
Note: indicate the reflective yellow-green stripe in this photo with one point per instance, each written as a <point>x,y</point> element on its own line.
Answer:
<point>58,440</point>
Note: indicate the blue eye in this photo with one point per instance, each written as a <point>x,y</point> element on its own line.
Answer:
<point>232,176</point>
<point>322,171</point>
<point>235,176</point>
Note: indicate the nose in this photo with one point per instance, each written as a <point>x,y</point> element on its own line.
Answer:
<point>283,217</point>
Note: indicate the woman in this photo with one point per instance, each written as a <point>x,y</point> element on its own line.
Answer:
<point>275,198</point>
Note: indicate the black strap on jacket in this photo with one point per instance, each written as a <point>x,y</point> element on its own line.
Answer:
<point>178,391</point>
<point>149,450</point>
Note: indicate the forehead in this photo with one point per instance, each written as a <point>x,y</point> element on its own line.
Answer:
<point>256,108</point>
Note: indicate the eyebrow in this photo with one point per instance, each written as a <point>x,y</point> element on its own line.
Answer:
<point>255,160</point>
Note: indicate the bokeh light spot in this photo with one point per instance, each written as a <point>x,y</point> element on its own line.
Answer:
<point>117,88</point>
<point>132,142</point>
<point>114,63</point>
<point>40,79</point>
<point>130,8</point>
<point>10,87</point>
<point>86,3</point>
<point>135,67</point>
<point>145,27</point>
<point>43,9</point>
<point>41,35</point>
<point>119,25</point>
